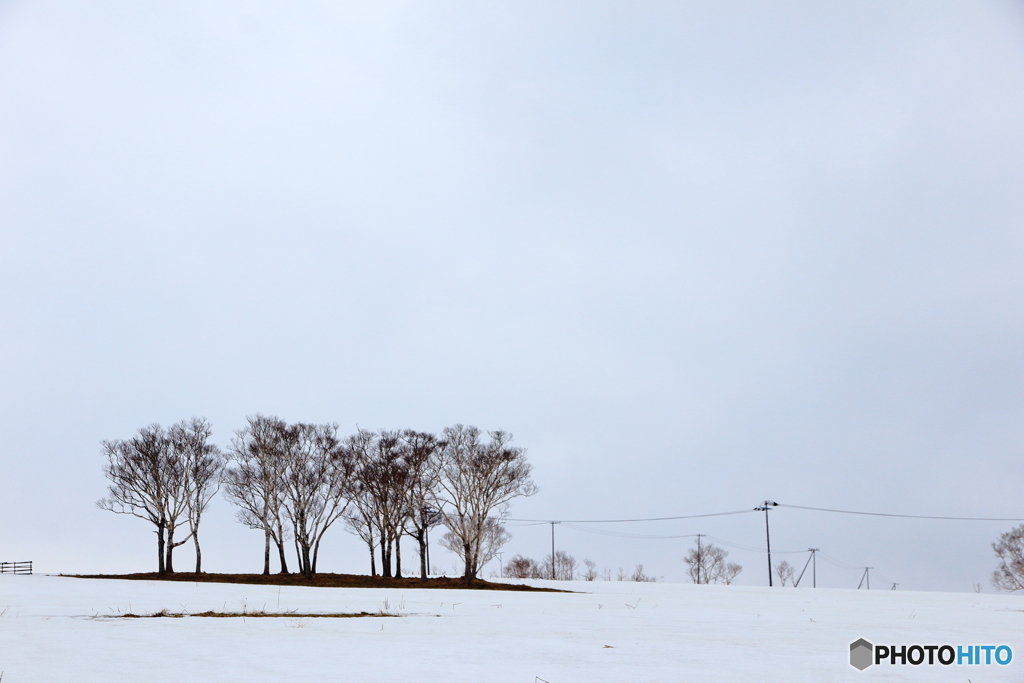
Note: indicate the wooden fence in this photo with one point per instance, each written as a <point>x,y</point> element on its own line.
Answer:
<point>15,567</point>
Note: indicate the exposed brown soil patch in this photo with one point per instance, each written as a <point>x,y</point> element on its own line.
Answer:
<point>250,615</point>
<point>323,581</point>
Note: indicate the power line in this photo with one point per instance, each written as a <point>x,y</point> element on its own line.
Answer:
<point>786,505</point>
<point>627,534</point>
<point>886,514</point>
<point>647,519</point>
<point>838,563</point>
<point>750,548</point>
<point>622,534</point>
<point>865,577</point>
<point>885,579</point>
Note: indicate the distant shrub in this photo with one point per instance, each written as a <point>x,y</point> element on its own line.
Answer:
<point>1010,551</point>
<point>521,567</point>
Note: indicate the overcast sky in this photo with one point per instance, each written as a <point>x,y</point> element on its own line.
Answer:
<point>692,256</point>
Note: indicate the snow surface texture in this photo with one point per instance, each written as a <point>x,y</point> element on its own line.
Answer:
<point>51,630</point>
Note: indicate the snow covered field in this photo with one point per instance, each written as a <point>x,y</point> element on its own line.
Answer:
<point>51,631</point>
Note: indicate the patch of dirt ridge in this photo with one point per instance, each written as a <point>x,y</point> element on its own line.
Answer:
<point>323,581</point>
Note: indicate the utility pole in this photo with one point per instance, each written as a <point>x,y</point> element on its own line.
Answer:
<point>766,506</point>
<point>812,560</point>
<point>894,586</point>
<point>865,576</point>
<point>553,549</point>
<point>700,558</point>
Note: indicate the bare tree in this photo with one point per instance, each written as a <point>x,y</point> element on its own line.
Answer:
<point>706,564</point>
<point>255,482</point>
<point>729,573</point>
<point>564,565</point>
<point>360,518</point>
<point>316,482</point>
<point>486,544</point>
<point>591,573</point>
<point>202,464</point>
<point>784,570</point>
<point>360,521</point>
<point>148,481</point>
<point>1009,575</point>
<point>421,454</point>
<point>478,479</point>
<point>640,577</point>
<point>381,481</point>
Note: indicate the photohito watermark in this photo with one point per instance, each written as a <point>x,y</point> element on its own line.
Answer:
<point>863,654</point>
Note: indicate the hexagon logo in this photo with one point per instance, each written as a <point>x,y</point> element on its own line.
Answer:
<point>861,654</point>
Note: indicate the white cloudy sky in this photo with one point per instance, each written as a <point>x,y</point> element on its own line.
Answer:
<point>692,255</point>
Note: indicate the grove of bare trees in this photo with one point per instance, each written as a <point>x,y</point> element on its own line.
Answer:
<point>293,482</point>
<point>564,569</point>
<point>706,564</point>
<point>564,566</point>
<point>394,489</point>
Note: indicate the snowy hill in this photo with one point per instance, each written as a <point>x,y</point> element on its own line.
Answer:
<point>55,629</point>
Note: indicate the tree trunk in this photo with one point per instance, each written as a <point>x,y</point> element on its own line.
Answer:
<point>307,565</point>
<point>160,547</point>
<point>373,558</point>
<point>420,538</point>
<point>279,540</point>
<point>385,556</point>
<point>266,552</point>
<point>199,553</point>
<point>316,551</point>
<point>467,575</point>
<point>171,545</point>
<point>398,555</point>
<point>281,557</point>
<point>169,563</point>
